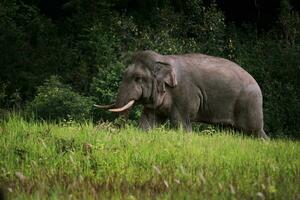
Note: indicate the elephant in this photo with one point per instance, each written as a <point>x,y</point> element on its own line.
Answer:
<point>190,88</point>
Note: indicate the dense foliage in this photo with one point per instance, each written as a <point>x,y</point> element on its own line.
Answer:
<point>86,43</point>
<point>56,101</point>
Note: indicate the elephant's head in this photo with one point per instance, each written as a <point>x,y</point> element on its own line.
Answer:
<point>144,81</point>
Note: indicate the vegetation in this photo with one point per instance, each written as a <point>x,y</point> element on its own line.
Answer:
<point>56,101</point>
<point>82,161</point>
<point>86,44</point>
<point>59,57</point>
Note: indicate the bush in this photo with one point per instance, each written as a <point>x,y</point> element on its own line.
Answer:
<point>56,101</point>
<point>31,50</point>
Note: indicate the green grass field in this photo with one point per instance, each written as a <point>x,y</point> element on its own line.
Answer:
<point>83,161</point>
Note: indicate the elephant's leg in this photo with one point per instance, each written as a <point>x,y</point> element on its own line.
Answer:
<point>262,134</point>
<point>146,121</point>
<point>249,113</point>
<point>178,119</point>
<point>187,124</point>
<point>149,119</point>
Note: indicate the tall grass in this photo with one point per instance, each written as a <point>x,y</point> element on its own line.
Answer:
<point>84,161</point>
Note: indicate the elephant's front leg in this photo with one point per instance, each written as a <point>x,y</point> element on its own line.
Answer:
<point>182,119</point>
<point>148,120</point>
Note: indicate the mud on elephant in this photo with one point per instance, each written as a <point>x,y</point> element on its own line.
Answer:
<point>190,87</point>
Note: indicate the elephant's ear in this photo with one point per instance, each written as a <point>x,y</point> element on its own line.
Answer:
<point>165,74</point>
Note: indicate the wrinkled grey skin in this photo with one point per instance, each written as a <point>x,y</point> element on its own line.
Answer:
<point>192,87</point>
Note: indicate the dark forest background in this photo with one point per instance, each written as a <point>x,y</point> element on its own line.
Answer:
<point>58,57</point>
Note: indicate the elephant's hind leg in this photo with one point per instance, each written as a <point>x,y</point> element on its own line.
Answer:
<point>248,111</point>
<point>262,134</point>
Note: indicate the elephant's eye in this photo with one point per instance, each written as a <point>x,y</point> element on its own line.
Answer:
<point>138,79</point>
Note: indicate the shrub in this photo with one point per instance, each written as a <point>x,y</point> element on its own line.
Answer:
<point>31,50</point>
<point>57,101</point>
<point>2,94</point>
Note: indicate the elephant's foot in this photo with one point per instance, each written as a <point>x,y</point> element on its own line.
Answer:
<point>263,135</point>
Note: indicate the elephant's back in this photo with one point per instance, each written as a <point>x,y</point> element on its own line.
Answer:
<point>213,68</point>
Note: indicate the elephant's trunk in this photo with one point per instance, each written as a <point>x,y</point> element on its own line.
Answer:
<point>125,100</point>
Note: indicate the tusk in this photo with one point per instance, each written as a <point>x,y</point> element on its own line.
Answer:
<point>104,106</point>
<point>128,105</point>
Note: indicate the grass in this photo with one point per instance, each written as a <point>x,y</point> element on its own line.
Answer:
<point>82,161</point>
